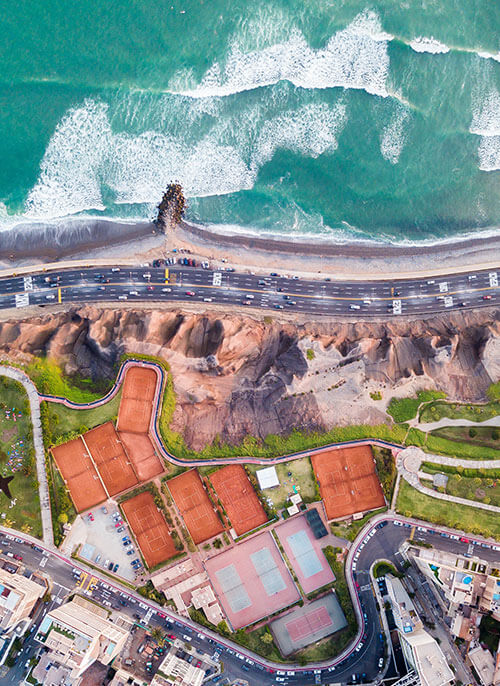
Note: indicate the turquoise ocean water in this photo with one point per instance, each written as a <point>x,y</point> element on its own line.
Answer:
<point>329,118</point>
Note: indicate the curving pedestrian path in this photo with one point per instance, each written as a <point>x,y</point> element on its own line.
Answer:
<point>43,488</point>
<point>445,422</point>
<point>408,464</point>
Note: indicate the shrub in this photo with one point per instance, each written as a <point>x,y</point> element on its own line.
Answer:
<point>472,432</point>
<point>403,409</point>
<point>310,354</point>
<point>376,395</point>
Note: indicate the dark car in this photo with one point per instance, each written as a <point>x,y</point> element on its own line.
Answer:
<point>115,568</point>
<point>110,566</point>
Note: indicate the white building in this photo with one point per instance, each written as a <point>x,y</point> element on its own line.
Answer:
<point>421,651</point>
<point>267,478</point>
<point>173,670</point>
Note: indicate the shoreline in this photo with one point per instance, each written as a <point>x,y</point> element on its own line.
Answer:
<point>101,239</point>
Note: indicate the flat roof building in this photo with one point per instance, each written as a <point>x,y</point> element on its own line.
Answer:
<point>484,665</point>
<point>420,649</point>
<point>80,632</point>
<point>18,597</point>
<point>174,670</point>
<point>267,478</point>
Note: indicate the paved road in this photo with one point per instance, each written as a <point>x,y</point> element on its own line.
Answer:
<point>372,299</point>
<point>384,543</point>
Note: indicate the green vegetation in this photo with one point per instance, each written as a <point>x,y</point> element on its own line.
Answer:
<point>494,391</point>
<point>479,488</point>
<point>489,632</point>
<point>310,354</point>
<point>349,531</point>
<point>333,645</point>
<point>298,473</point>
<point>66,422</point>
<point>386,470</point>
<point>475,413</point>
<point>17,459</point>
<point>485,435</point>
<point>149,591</point>
<point>259,641</point>
<point>404,409</point>
<point>383,568</point>
<point>49,379</point>
<point>376,395</point>
<point>412,503</point>
<point>443,446</point>
<point>432,468</point>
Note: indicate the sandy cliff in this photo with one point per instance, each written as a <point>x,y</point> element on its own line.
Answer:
<point>236,375</point>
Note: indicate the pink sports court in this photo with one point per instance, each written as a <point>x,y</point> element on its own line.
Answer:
<point>305,553</point>
<point>251,580</point>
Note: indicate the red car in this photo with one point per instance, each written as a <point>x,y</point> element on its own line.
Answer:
<point>118,523</point>
<point>464,540</point>
<point>151,288</point>
<point>91,517</point>
<point>18,557</point>
<point>191,293</point>
<point>486,297</point>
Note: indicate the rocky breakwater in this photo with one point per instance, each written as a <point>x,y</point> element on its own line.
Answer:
<point>237,375</point>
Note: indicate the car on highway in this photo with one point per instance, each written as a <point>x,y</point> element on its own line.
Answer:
<point>279,307</point>
<point>151,288</point>
<point>486,297</point>
<point>115,269</point>
<point>133,292</point>
<point>166,290</point>
<point>50,297</point>
<point>207,300</point>
<point>101,288</point>
<point>190,293</point>
<point>122,297</point>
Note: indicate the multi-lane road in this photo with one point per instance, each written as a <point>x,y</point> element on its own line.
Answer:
<point>384,543</point>
<point>423,296</point>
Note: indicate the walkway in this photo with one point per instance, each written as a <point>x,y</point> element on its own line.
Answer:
<point>445,422</point>
<point>43,488</point>
<point>408,464</point>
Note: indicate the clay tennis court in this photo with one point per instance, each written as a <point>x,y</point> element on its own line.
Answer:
<point>136,405</point>
<point>79,473</point>
<point>195,506</point>
<point>110,458</point>
<point>251,580</point>
<point>308,624</point>
<point>238,497</point>
<point>150,529</point>
<point>142,455</point>
<point>347,481</point>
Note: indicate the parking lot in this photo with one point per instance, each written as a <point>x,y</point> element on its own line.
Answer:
<point>104,545</point>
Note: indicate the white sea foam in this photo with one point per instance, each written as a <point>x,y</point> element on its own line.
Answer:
<point>69,179</point>
<point>394,135</point>
<point>84,155</point>
<point>489,153</point>
<point>486,115</point>
<point>486,124</point>
<point>312,131</point>
<point>490,56</point>
<point>424,44</point>
<point>355,57</point>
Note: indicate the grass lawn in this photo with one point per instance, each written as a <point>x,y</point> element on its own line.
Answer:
<point>476,413</point>
<point>483,490</point>
<point>63,419</point>
<point>412,503</point>
<point>484,435</point>
<point>350,531</point>
<point>298,473</point>
<point>17,458</point>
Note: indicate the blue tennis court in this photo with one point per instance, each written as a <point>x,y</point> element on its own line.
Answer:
<point>233,588</point>
<point>304,553</point>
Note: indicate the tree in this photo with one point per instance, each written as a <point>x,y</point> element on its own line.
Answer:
<point>63,518</point>
<point>267,637</point>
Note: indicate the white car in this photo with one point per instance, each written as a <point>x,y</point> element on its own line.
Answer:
<point>115,269</point>
<point>122,297</point>
<point>133,292</point>
<point>166,290</point>
<point>50,297</point>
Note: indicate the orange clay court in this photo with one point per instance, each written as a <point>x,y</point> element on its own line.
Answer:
<point>238,498</point>
<point>348,481</point>
<point>195,506</point>
<point>150,529</point>
<point>136,405</point>
<point>79,473</point>
<point>110,458</point>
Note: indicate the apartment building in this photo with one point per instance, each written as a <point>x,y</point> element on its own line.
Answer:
<point>80,632</point>
<point>174,670</point>
<point>18,597</point>
<point>421,650</point>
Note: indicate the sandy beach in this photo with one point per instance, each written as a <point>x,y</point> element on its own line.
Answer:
<point>119,241</point>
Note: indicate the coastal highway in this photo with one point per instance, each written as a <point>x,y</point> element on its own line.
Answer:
<point>384,543</point>
<point>370,299</point>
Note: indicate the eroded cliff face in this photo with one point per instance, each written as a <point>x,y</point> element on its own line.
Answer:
<point>236,375</point>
